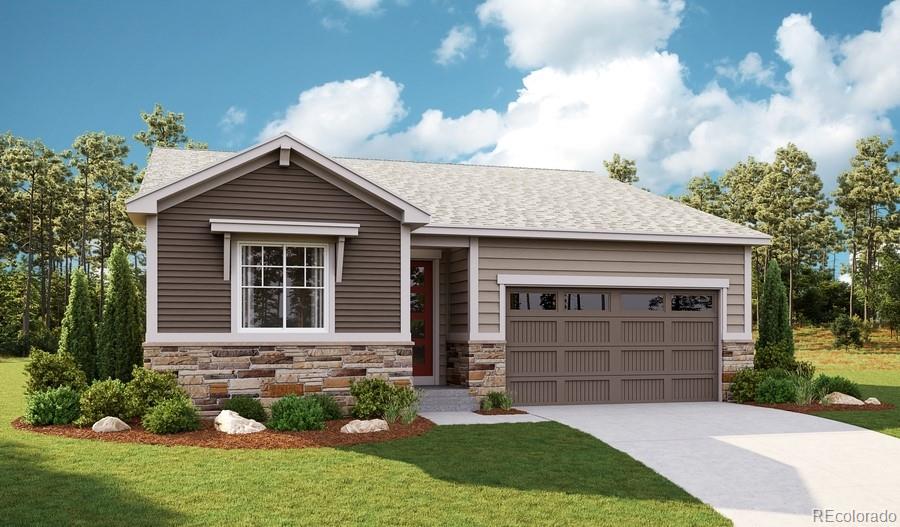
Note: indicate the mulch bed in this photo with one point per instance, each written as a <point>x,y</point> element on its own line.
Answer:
<point>208,437</point>
<point>816,407</point>
<point>501,411</point>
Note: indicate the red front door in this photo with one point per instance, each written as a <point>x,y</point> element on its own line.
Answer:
<point>421,324</point>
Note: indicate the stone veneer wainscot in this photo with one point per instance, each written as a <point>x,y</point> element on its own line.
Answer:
<point>211,374</point>
<point>480,367</point>
<point>736,356</point>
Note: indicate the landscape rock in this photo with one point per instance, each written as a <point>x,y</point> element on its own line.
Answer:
<point>364,427</point>
<point>110,424</point>
<point>872,400</point>
<point>841,398</point>
<point>232,423</point>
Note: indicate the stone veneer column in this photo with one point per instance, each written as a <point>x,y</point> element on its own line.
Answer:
<point>211,374</point>
<point>480,367</point>
<point>736,356</point>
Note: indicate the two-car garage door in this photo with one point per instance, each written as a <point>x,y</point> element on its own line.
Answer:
<point>578,346</point>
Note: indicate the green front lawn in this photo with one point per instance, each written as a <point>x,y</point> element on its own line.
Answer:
<point>876,367</point>
<point>515,474</point>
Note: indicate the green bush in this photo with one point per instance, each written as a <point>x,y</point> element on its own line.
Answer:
<point>744,383</point>
<point>826,384</point>
<point>403,405</point>
<point>101,399</point>
<point>246,407</point>
<point>493,400</point>
<point>54,406</point>
<point>776,390</point>
<point>774,320</point>
<point>847,331</point>
<point>774,355</point>
<point>294,413</point>
<point>330,407</point>
<point>807,392</point>
<point>147,388</point>
<point>372,396</point>
<point>52,370</point>
<point>122,324</point>
<point>78,331</point>
<point>172,416</point>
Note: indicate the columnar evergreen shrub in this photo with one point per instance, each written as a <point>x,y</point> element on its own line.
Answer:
<point>121,330</point>
<point>54,406</point>
<point>77,335</point>
<point>52,370</point>
<point>774,322</point>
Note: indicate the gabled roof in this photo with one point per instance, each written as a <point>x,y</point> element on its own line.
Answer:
<point>172,175</point>
<point>503,201</point>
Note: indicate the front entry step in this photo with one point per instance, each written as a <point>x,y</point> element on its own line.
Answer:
<point>446,399</point>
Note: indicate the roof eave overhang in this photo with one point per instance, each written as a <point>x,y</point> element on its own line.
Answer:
<point>274,149</point>
<point>446,230</point>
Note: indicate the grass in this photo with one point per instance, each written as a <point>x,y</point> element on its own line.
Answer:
<point>876,367</point>
<point>540,473</point>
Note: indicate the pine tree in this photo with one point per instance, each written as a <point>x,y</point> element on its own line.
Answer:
<point>77,336</point>
<point>119,344</point>
<point>774,321</point>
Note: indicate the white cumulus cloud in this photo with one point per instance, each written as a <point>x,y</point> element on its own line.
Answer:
<point>455,45</point>
<point>354,117</point>
<point>750,69</point>
<point>362,7</point>
<point>232,118</point>
<point>565,33</point>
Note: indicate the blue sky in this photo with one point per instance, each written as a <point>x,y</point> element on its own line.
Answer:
<point>667,83</point>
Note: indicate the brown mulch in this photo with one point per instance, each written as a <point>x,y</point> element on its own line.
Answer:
<point>208,437</point>
<point>816,407</point>
<point>501,411</point>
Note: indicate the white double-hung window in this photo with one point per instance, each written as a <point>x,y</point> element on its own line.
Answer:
<point>282,286</point>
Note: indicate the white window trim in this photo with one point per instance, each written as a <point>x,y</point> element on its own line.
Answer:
<point>236,308</point>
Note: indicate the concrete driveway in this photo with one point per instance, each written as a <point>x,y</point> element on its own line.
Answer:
<point>757,466</point>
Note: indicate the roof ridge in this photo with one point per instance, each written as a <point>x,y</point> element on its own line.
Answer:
<point>464,164</point>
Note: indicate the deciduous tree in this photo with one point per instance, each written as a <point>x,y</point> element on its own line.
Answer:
<point>621,169</point>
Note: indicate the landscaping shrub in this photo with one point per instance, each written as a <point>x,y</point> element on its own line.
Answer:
<point>330,407</point>
<point>774,319</point>
<point>847,331</point>
<point>52,370</point>
<point>54,406</point>
<point>493,400</point>
<point>807,392</point>
<point>744,383</point>
<point>804,369</point>
<point>122,327</point>
<point>294,413</point>
<point>101,399</point>
<point>776,390</point>
<point>246,407</point>
<point>172,416</point>
<point>147,388</point>
<point>826,384</point>
<point>77,334</point>
<point>372,396</point>
<point>403,405</point>
<point>773,356</point>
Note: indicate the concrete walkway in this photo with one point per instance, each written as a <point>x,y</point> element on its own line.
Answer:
<point>471,418</point>
<point>757,466</point>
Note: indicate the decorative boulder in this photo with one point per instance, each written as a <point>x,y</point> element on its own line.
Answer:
<point>872,400</point>
<point>841,398</point>
<point>364,427</point>
<point>110,424</point>
<point>231,423</point>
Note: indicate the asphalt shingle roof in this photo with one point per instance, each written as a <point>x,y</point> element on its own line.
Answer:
<point>459,195</point>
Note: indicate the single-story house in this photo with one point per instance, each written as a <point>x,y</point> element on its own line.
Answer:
<point>281,270</point>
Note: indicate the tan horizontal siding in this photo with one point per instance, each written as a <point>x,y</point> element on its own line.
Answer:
<point>567,257</point>
<point>194,297</point>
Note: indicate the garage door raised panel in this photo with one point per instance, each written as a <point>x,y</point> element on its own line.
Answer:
<point>578,346</point>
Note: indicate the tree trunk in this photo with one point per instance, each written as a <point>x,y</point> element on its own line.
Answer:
<point>84,218</point>
<point>26,313</point>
